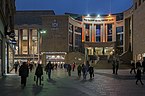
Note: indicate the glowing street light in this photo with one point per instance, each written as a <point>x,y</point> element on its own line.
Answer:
<point>98,15</point>
<point>43,31</point>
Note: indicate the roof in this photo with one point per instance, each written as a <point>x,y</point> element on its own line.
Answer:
<point>31,16</point>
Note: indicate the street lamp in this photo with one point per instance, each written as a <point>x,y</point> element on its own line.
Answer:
<point>40,32</point>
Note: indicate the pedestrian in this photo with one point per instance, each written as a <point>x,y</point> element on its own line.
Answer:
<point>143,66</point>
<point>116,65</point>
<point>16,66</point>
<point>23,72</point>
<point>132,67</point>
<point>73,66</point>
<point>113,65</point>
<point>91,72</point>
<point>84,70</point>
<point>87,65</point>
<point>69,69</point>
<point>79,69</point>
<point>30,67</point>
<point>49,68</point>
<point>138,64</point>
<point>39,73</point>
<point>138,76</point>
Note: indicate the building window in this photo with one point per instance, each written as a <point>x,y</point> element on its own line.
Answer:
<point>139,2</point>
<point>87,28</point>
<point>119,39</point>
<point>109,32</point>
<point>70,38</point>
<point>135,5</point>
<point>119,29</point>
<point>25,42</point>
<point>98,32</point>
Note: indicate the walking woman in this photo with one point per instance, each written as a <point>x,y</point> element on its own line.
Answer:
<point>39,73</point>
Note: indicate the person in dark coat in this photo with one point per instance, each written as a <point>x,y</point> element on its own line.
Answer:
<point>39,73</point>
<point>69,70</point>
<point>132,67</point>
<point>143,66</point>
<point>79,69</point>
<point>24,72</point>
<point>91,72</point>
<point>84,71</point>
<point>138,76</point>
<point>138,64</point>
<point>16,66</point>
<point>113,66</point>
<point>48,68</point>
<point>117,65</point>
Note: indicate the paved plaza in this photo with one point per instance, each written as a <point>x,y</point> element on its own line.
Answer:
<point>104,84</point>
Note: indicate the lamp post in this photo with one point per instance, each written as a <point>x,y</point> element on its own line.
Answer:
<point>40,32</point>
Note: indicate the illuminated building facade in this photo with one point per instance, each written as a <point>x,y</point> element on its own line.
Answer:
<point>7,10</point>
<point>102,35</point>
<point>63,35</point>
<point>27,30</point>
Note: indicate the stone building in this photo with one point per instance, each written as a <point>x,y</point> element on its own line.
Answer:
<point>7,40</point>
<point>138,29</point>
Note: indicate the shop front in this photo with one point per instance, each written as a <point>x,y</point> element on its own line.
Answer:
<point>54,57</point>
<point>93,51</point>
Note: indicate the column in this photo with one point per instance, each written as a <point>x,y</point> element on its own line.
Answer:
<point>30,41</point>
<point>102,32</point>
<point>93,33</point>
<point>83,33</point>
<point>90,33</point>
<point>20,39</point>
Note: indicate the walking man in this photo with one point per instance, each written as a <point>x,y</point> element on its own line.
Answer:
<point>132,67</point>
<point>79,69</point>
<point>48,69</point>
<point>23,72</point>
<point>39,73</point>
<point>138,76</point>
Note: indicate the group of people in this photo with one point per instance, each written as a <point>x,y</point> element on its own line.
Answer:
<point>25,67</point>
<point>85,68</point>
<point>24,70</point>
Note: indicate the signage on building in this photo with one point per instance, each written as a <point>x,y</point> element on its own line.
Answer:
<point>54,25</point>
<point>98,19</point>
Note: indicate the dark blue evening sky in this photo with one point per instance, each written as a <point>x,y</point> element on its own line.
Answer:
<point>75,6</point>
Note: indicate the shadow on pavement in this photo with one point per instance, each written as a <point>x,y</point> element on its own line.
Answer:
<point>52,81</point>
<point>121,77</point>
<point>36,89</point>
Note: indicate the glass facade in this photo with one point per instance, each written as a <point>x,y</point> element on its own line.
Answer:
<point>87,29</point>
<point>25,41</point>
<point>109,32</point>
<point>98,33</point>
